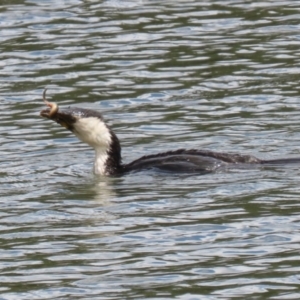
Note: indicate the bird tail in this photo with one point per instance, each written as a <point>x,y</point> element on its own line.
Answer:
<point>281,161</point>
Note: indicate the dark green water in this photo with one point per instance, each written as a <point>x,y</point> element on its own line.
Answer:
<point>218,75</point>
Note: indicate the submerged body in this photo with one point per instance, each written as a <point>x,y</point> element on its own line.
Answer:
<point>90,127</point>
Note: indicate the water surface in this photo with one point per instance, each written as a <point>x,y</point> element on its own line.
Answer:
<point>219,75</point>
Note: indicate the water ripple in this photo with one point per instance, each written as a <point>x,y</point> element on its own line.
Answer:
<point>219,75</point>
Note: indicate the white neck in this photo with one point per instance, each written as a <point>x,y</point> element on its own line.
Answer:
<point>95,133</point>
<point>100,163</point>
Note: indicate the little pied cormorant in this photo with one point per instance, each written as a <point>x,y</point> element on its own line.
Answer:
<point>90,127</point>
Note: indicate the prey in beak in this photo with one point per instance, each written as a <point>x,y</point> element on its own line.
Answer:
<point>64,118</point>
<point>53,107</point>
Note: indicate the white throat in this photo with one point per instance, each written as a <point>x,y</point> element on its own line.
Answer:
<point>95,133</point>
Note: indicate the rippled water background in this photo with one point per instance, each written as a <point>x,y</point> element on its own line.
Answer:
<point>218,75</point>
